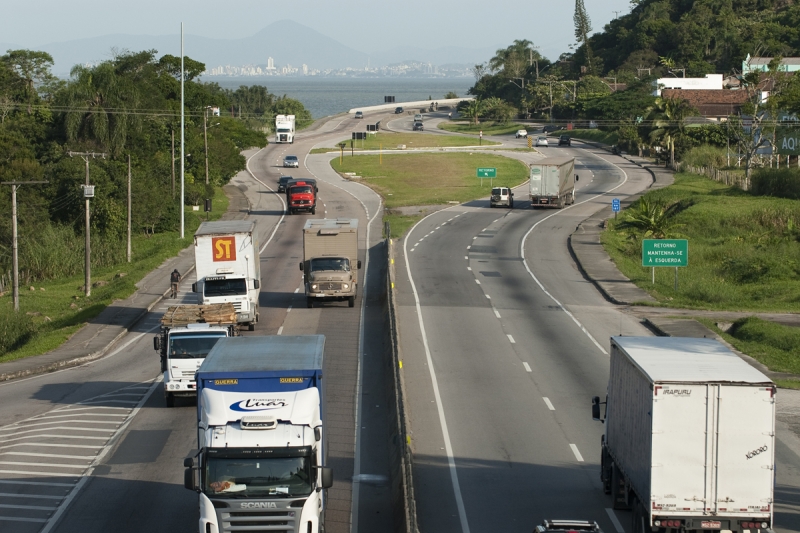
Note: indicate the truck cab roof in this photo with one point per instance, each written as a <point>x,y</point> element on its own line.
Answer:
<point>226,227</point>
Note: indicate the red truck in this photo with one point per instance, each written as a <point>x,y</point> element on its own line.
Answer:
<point>302,196</point>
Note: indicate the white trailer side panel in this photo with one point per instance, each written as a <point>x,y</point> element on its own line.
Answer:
<point>746,452</point>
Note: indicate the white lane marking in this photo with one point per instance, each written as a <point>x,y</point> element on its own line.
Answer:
<point>549,404</point>
<point>477,280</point>
<point>578,455</point>
<point>488,297</point>
<point>496,312</point>
<point>35,496</point>
<point>614,520</point>
<point>468,268</point>
<point>17,519</point>
<point>85,446</point>
<point>10,428</point>
<point>466,257</point>
<point>29,454</point>
<point>297,290</point>
<point>437,227</point>
<point>104,415</point>
<point>511,339</point>
<point>289,310</point>
<point>462,513</point>
<point>54,465</point>
<point>468,247</point>
<point>280,330</point>
<point>527,367</point>
<point>539,283</point>
<point>29,507</point>
<point>79,437</point>
<point>280,197</point>
<point>474,238</point>
<point>37,483</point>
<point>49,474</point>
<point>496,221</point>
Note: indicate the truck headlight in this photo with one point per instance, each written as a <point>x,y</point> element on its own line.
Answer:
<point>314,287</point>
<point>345,286</point>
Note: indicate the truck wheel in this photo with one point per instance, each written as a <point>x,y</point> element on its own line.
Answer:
<point>605,471</point>
<point>310,303</point>
<point>169,399</point>
<point>619,498</point>
<point>351,302</point>
<point>251,326</point>
<point>314,210</point>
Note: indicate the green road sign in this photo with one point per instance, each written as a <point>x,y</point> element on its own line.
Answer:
<point>665,252</point>
<point>487,172</point>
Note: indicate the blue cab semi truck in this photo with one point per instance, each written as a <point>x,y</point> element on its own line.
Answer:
<point>261,451</point>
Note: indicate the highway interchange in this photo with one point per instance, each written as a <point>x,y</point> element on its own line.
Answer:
<point>503,344</point>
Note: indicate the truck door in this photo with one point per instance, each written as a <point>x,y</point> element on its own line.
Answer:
<point>746,451</point>
<point>680,448</point>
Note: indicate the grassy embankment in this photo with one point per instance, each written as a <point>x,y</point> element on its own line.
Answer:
<point>599,136</point>
<point>56,309</point>
<point>744,255</point>
<point>428,179</point>
<point>390,142</point>
<point>488,128</point>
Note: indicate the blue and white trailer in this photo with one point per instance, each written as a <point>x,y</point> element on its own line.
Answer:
<point>261,451</point>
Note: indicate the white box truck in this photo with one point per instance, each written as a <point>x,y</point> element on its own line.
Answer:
<point>330,260</point>
<point>689,438</point>
<point>284,129</point>
<point>188,332</point>
<point>228,267</point>
<point>552,182</point>
<point>261,460</point>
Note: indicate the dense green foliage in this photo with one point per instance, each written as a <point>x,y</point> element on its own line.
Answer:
<point>126,107</point>
<point>781,183</point>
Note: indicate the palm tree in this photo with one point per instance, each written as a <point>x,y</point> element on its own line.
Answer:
<point>473,110</point>
<point>669,121</point>
<point>651,218</point>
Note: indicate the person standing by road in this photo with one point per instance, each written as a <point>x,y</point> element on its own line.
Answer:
<point>174,280</point>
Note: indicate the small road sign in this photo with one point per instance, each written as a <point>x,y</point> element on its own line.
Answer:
<point>487,173</point>
<point>665,252</point>
<point>615,205</point>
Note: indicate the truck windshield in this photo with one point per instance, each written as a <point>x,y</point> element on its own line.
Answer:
<point>225,287</point>
<point>300,189</point>
<point>273,477</point>
<point>330,263</point>
<point>284,130</point>
<point>193,346</point>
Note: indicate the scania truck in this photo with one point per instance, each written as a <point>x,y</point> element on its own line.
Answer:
<point>188,332</point>
<point>330,260</point>
<point>228,267</point>
<point>260,463</point>
<point>689,441</point>
<point>552,182</point>
<point>284,129</point>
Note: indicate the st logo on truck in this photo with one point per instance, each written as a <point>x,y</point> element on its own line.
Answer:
<point>224,248</point>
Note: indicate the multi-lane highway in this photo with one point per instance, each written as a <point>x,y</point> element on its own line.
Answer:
<point>503,344</point>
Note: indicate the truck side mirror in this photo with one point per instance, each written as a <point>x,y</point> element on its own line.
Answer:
<point>194,287</point>
<point>358,263</point>
<point>317,434</point>
<point>301,267</point>
<point>188,462</point>
<point>256,284</point>
<point>596,409</point>
<point>326,477</point>
<point>157,343</point>
<point>188,479</point>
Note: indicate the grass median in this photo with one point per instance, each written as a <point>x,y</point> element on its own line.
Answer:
<point>426,179</point>
<point>54,310</point>
<point>598,136</point>
<point>488,128</point>
<point>394,141</point>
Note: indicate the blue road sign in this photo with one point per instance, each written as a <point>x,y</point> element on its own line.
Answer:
<point>615,205</point>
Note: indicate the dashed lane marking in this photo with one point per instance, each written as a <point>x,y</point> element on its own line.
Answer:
<point>549,403</point>
<point>527,366</point>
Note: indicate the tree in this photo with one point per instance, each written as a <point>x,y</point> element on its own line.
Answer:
<point>473,109</point>
<point>582,28</point>
<point>33,68</point>
<point>650,219</point>
<point>669,122</point>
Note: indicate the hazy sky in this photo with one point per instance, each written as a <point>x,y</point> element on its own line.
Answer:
<point>361,24</point>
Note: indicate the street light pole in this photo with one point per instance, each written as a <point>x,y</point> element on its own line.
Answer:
<point>205,138</point>
<point>183,144</point>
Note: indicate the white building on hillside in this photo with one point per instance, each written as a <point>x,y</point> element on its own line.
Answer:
<point>709,83</point>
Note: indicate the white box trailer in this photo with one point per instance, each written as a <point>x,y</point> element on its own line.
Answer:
<point>689,438</point>
<point>228,266</point>
<point>284,128</point>
<point>552,182</point>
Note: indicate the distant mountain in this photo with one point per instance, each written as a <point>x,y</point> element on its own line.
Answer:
<point>4,47</point>
<point>287,42</point>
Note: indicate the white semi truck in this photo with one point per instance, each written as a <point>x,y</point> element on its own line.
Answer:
<point>284,129</point>
<point>260,464</point>
<point>330,260</point>
<point>552,182</point>
<point>228,267</point>
<point>188,332</point>
<point>689,440</point>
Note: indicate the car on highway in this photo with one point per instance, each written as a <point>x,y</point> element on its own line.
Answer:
<point>521,133</point>
<point>550,128</point>
<point>291,161</point>
<point>567,526</point>
<point>282,181</point>
<point>418,117</point>
<point>418,126</point>
<point>398,110</point>
<point>359,114</point>
<point>502,196</point>
<point>564,140</point>
<point>541,141</point>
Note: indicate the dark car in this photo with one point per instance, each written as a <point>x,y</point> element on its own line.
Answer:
<point>564,140</point>
<point>398,110</point>
<point>567,526</point>
<point>282,181</point>
<point>418,126</point>
<point>551,127</point>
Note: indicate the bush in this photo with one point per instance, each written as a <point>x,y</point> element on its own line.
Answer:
<point>706,156</point>
<point>781,182</point>
<point>16,329</point>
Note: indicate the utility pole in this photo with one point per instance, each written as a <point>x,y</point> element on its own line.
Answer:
<point>173,161</point>
<point>205,137</point>
<point>183,143</point>
<point>14,254</point>
<point>129,208</point>
<point>88,192</point>
<point>616,13</point>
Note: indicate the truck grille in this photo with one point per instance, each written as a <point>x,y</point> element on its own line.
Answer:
<point>258,521</point>
<point>330,286</point>
<point>237,306</point>
<point>188,373</point>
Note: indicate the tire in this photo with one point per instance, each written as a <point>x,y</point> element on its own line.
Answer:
<point>251,326</point>
<point>511,205</point>
<point>310,303</point>
<point>351,302</point>
<point>314,210</point>
<point>169,399</point>
<point>619,500</point>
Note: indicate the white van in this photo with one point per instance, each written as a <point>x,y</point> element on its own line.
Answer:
<point>502,196</point>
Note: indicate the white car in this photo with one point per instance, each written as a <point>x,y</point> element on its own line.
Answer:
<point>521,133</point>
<point>359,114</point>
<point>291,161</point>
<point>541,141</point>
